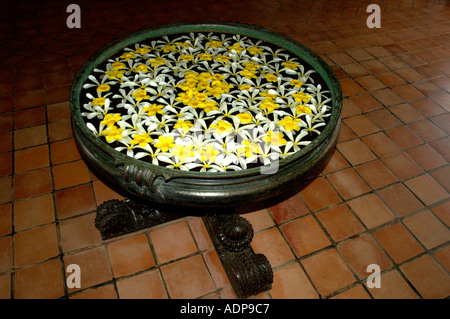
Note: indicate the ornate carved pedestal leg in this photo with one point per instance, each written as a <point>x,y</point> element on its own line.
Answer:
<point>249,273</point>
<point>116,217</point>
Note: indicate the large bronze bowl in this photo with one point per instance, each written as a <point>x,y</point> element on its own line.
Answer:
<point>163,185</point>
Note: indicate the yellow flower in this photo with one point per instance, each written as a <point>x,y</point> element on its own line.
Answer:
<point>248,74</point>
<point>209,106</point>
<point>205,57</point>
<point>209,153</point>
<point>245,87</point>
<point>274,138</point>
<point>245,118</point>
<point>103,88</point>
<point>252,66</point>
<point>169,48</point>
<point>215,44</point>
<point>185,126</point>
<point>153,109</point>
<point>118,65</point>
<point>268,105</point>
<point>98,101</point>
<point>290,123</point>
<point>222,127</point>
<point>187,57</point>
<point>114,74</point>
<point>296,83</point>
<point>164,143</point>
<point>299,109</point>
<point>249,148</point>
<point>182,152</point>
<point>271,77</point>
<point>142,68</point>
<point>141,139</point>
<point>302,97</point>
<point>142,51</point>
<point>141,95</point>
<point>128,55</point>
<point>255,50</point>
<point>113,133</point>
<point>290,65</point>
<point>236,47</point>
<point>110,120</point>
<point>157,61</point>
<point>183,44</point>
<point>223,58</point>
<point>218,77</point>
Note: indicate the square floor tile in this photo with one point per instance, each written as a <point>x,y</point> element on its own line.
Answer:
<point>376,174</point>
<point>348,183</point>
<point>319,194</point>
<point>272,244</point>
<point>172,242</point>
<point>402,165</point>
<point>31,136</point>
<point>74,201</point>
<point>35,245</point>
<point>94,267</point>
<point>328,271</point>
<point>427,277</point>
<point>289,208</point>
<point>427,189</point>
<point>355,151</point>
<point>398,242</point>
<point>130,255</point>
<point>32,183</point>
<point>400,199</point>
<point>31,158</point>
<point>79,232</point>
<point>362,252</point>
<point>361,125</point>
<point>40,281</point>
<point>393,286</point>
<point>187,278</point>
<point>33,212</point>
<point>427,229</point>
<point>380,144</point>
<point>64,151</point>
<point>290,282</point>
<point>305,236</point>
<point>70,174</point>
<point>427,131</point>
<point>387,97</point>
<point>406,113</point>
<point>426,157</point>
<point>366,103</point>
<point>339,222</point>
<point>371,210</point>
<point>147,285</point>
<point>404,137</point>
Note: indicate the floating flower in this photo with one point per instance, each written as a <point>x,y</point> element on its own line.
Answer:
<point>290,123</point>
<point>164,143</point>
<point>245,118</point>
<point>153,109</point>
<point>112,133</point>
<point>141,139</point>
<point>274,138</point>
<point>111,119</point>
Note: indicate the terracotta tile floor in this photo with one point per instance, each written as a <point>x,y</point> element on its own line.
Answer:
<point>382,199</point>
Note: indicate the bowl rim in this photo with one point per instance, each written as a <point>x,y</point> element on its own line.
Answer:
<point>260,33</point>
